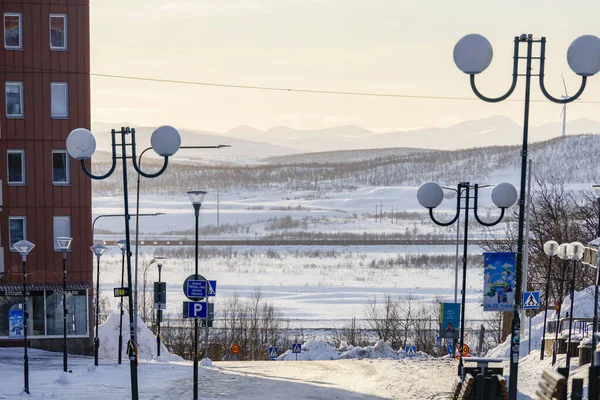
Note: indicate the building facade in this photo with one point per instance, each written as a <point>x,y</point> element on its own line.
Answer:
<point>44,73</point>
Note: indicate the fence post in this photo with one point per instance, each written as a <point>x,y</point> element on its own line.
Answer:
<point>577,389</point>
<point>594,383</point>
<point>479,387</point>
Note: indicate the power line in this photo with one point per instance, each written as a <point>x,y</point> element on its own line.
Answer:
<point>266,88</point>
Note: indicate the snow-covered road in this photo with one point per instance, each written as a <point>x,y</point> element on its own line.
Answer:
<point>340,379</point>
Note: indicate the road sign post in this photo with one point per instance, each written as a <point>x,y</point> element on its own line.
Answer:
<point>296,349</point>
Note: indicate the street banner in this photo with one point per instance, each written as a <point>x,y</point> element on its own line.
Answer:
<point>449,320</point>
<point>498,281</point>
<point>15,324</point>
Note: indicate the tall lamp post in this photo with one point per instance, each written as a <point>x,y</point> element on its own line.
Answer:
<point>159,263</point>
<point>64,244</point>
<point>23,247</point>
<point>98,250</point>
<point>137,223</point>
<point>472,55</point>
<point>597,282</point>
<point>165,141</point>
<point>122,245</point>
<point>561,252</point>
<point>551,249</point>
<point>431,194</point>
<point>196,197</point>
<point>575,252</point>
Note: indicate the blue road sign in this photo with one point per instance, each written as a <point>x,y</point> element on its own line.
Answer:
<point>196,288</point>
<point>450,341</point>
<point>212,288</point>
<point>272,353</point>
<point>195,309</point>
<point>450,349</point>
<point>296,348</point>
<point>411,351</point>
<point>531,300</point>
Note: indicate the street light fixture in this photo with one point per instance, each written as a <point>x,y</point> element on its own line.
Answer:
<point>23,247</point>
<point>551,249</point>
<point>158,290</point>
<point>98,250</point>
<point>561,252</point>
<point>122,245</point>
<point>64,244</point>
<point>472,55</point>
<point>196,197</point>
<point>575,252</point>
<point>81,145</point>
<point>430,196</point>
<point>137,223</point>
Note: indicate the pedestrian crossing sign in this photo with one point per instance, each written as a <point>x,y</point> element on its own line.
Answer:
<point>272,353</point>
<point>411,351</point>
<point>296,348</point>
<point>531,300</point>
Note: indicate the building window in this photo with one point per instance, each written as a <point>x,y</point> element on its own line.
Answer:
<point>14,99</point>
<point>13,31</point>
<point>76,314</point>
<point>60,167</point>
<point>59,94</point>
<point>58,31</point>
<point>16,167</point>
<point>17,227</point>
<point>62,228</point>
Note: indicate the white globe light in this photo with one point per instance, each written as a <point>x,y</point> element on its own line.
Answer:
<point>562,251</point>
<point>430,195</point>
<point>551,248</point>
<point>81,144</point>
<point>504,195</point>
<point>473,54</point>
<point>575,251</point>
<point>165,140</point>
<point>584,55</point>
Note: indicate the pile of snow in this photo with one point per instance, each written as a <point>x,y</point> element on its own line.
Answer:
<point>316,350</point>
<point>206,362</point>
<point>583,307</point>
<point>109,340</point>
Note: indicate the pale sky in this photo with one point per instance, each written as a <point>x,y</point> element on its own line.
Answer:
<point>386,46</point>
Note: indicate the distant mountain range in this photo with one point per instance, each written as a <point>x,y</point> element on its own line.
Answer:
<point>282,140</point>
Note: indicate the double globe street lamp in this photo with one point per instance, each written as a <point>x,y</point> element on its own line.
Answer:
<point>81,145</point>
<point>472,55</point>
<point>430,196</point>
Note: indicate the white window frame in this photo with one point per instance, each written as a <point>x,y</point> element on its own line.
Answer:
<point>61,234</point>
<point>67,167</point>
<point>24,176</point>
<point>12,249</point>
<point>12,14</point>
<point>64,17</point>
<point>65,85</point>
<point>21,102</point>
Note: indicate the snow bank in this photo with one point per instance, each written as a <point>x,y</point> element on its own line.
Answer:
<point>316,350</point>
<point>109,340</point>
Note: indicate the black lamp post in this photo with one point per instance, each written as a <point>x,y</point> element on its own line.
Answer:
<point>551,249</point>
<point>165,141</point>
<point>597,282</point>
<point>430,195</point>
<point>196,197</point>
<point>575,252</point>
<point>159,311</point>
<point>64,244</point>
<point>472,55</point>
<point>23,247</point>
<point>562,254</point>
<point>121,244</point>
<point>98,250</point>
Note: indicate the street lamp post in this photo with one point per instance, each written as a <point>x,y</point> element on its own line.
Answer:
<point>98,250</point>
<point>575,252</point>
<point>551,249</point>
<point>81,145</point>
<point>159,311</point>
<point>23,247</point>
<point>430,195</point>
<point>561,252</point>
<point>137,224</point>
<point>472,55</point>
<point>64,244</point>
<point>597,282</point>
<point>196,197</point>
<point>121,244</point>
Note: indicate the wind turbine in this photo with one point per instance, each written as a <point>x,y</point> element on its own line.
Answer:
<point>564,110</point>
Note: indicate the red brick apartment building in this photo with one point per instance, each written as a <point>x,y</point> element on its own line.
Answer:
<point>44,74</point>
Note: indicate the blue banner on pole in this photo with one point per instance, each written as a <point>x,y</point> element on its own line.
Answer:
<point>449,320</point>
<point>499,281</point>
<point>16,324</point>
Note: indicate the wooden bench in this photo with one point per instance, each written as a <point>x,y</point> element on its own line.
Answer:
<point>503,387</point>
<point>462,390</point>
<point>553,386</point>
